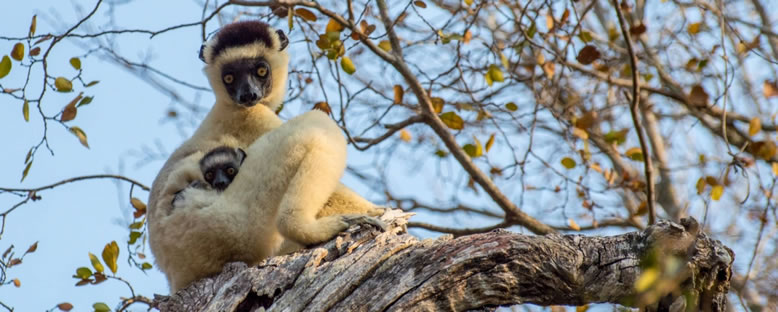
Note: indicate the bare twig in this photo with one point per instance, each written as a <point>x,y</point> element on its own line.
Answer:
<point>634,107</point>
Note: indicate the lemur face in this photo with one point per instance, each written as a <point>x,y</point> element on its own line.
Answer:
<point>247,80</point>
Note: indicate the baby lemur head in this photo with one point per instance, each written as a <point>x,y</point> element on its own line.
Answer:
<point>221,165</point>
<point>246,63</point>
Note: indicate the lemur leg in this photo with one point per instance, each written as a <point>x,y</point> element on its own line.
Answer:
<point>319,152</point>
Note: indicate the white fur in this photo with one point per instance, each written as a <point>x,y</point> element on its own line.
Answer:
<point>288,185</point>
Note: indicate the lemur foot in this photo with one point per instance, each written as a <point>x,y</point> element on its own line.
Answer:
<point>361,219</point>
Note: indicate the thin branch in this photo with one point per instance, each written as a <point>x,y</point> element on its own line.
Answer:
<point>633,109</point>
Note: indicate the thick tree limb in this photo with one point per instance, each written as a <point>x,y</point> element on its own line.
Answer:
<point>364,270</point>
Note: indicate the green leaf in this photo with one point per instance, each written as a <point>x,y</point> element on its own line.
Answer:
<point>441,153</point>
<point>75,62</point>
<point>101,307</point>
<point>347,65</point>
<point>452,120</point>
<point>470,150</point>
<point>568,162</point>
<point>63,84</point>
<point>96,263</point>
<point>26,110</point>
<point>5,66</point>
<point>585,36</point>
<point>137,225</point>
<point>110,254</point>
<point>17,53</point>
<point>134,235</point>
<point>26,171</point>
<point>80,134</point>
<point>635,154</point>
<point>511,106</point>
<point>29,154</point>
<point>83,272</point>
<point>92,83</point>
<point>532,30</point>
<point>145,266</point>
<point>618,137</point>
<point>85,101</point>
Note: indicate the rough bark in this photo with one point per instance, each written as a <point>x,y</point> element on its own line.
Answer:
<point>366,270</point>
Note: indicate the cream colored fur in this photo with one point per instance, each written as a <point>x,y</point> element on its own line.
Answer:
<point>290,173</point>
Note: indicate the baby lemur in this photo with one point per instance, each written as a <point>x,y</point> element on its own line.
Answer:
<point>219,167</point>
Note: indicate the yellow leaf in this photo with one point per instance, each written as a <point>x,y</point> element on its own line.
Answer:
<point>347,65</point>
<point>473,150</point>
<point>511,106</point>
<point>495,73</point>
<point>489,143</point>
<point>549,21</point>
<point>775,169</point>
<point>646,279</point>
<point>63,85</point>
<point>333,25</point>
<point>568,163</point>
<point>420,4</point>
<point>385,45</point>
<point>574,226</point>
<point>581,133</point>
<point>96,263</point>
<point>716,192</point>
<point>700,185</point>
<point>26,110</point>
<point>75,62</point>
<point>398,94</point>
<point>305,14</point>
<point>581,308</point>
<point>17,53</point>
<point>754,126</point>
<point>452,120</point>
<point>635,154</point>
<point>468,2</point>
<point>81,135</point>
<point>17,283</point>
<point>488,79</point>
<point>437,104</point>
<point>405,135</point>
<point>110,255</point>
<point>26,170</point>
<point>468,36</point>
<point>548,69</point>
<point>5,66</point>
<point>694,28</point>
<point>290,17</point>
<point>33,25</point>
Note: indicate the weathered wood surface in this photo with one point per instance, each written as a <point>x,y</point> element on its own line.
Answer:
<point>366,270</point>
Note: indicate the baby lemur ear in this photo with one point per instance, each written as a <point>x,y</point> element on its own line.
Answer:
<point>241,154</point>
<point>282,39</point>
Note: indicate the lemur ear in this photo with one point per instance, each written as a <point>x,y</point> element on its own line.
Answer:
<point>202,56</point>
<point>282,39</point>
<point>241,153</point>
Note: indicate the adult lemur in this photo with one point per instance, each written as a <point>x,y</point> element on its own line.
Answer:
<point>289,177</point>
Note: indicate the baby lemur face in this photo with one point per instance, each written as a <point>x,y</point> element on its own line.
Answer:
<point>221,165</point>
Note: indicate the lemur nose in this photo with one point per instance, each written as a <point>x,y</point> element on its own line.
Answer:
<point>248,97</point>
<point>220,185</point>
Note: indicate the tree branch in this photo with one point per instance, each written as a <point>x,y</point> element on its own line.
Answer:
<point>364,270</point>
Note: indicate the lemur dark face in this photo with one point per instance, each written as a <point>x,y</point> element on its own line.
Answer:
<point>221,165</point>
<point>247,80</point>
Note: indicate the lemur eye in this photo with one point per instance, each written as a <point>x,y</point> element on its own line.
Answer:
<point>228,78</point>
<point>262,70</point>
<point>209,176</point>
<point>231,171</point>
